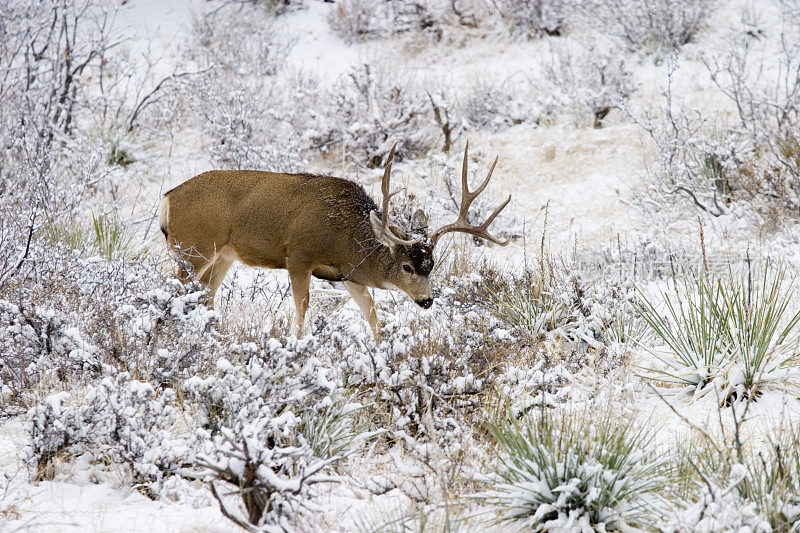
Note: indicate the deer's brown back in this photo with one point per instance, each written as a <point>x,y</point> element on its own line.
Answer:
<point>266,217</point>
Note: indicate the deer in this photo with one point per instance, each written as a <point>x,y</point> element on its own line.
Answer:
<point>309,225</point>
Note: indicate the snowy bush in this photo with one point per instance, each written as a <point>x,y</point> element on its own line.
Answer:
<point>51,89</point>
<point>755,162</point>
<point>361,20</point>
<point>764,85</point>
<point>63,79</point>
<point>67,318</point>
<point>238,99</point>
<point>739,480</point>
<point>773,479</point>
<point>536,18</point>
<point>651,23</point>
<point>274,481</point>
<point>543,384</point>
<point>701,162</point>
<point>694,162</point>
<point>575,470</point>
<point>718,509</point>
<point>121,420</point>
<point>736,337</point>
<point>251,425</point>
<point>37,341</point>
<point>367,111</point>
<point>496,106</point>
<point>555,303</point>
<point>446,115</point>
<point>258,416</point>
<point>416,379</point>
<point>356,20</point>
<point>588,80</point>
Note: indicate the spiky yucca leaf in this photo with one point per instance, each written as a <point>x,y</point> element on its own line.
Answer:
<point>561,468</point>
<point>731,332</point>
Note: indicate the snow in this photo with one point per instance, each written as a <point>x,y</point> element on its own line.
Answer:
<point>317,47</point>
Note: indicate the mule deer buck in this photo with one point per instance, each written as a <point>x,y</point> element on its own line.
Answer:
<point>312,226</point>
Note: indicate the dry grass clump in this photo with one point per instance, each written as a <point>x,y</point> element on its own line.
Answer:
<point>551,303</point>
<point>730,479</point>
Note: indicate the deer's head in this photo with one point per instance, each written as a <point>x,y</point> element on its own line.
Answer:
<point>410,261</point>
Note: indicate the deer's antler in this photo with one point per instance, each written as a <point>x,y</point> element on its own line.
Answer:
<point>385,230</point>
<point>467,197</point>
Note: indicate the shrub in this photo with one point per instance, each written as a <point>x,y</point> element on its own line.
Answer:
<point>652,23</point>
<point>768,109</point>
<point>752,165</point>
<point>356,20</point>
<point>773,480</point>
<point>259,417</point>
<point>367,111</point>
<point>729,335</point>
<point>496,106</point>
<point>576,469</point>
<point>69,319</point>
<point>717,169</point>
<point>717,508</point>
<point>537,18</point>
<point>361,20</point>
<point>72,80</point>
<point>239,100</point>
<point>740,481</point>
<point>589,80</point>
<point>251,425</point>
<point>120,419</point>
<point>551,303</point>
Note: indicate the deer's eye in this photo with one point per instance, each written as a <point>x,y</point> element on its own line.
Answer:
<point>407,268</point>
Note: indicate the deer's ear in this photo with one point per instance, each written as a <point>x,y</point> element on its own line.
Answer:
<point>420,221</point>
<point>377,231</point>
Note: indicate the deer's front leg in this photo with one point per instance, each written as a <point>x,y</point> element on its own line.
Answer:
<point>300,277</point>
<point>364,300</point>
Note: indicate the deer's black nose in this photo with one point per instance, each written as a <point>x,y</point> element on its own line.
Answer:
<point>426,303</point>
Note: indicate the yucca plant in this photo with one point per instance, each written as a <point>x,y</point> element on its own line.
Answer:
<point>335,430</point>
<point>575,469</point>
<point>733,332</point>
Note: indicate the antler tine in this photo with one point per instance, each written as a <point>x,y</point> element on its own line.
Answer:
<point>467,197</point>
<point>388,233</point>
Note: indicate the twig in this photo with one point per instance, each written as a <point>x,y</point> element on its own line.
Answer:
<point>146,99</point>
<point>12,271</point>
<point>702,245</point>
<point>236,520</point>
<point>684,419</point>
